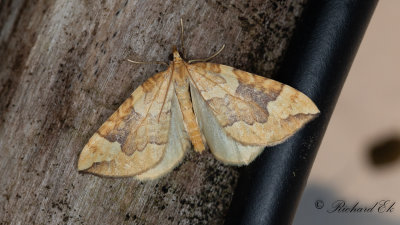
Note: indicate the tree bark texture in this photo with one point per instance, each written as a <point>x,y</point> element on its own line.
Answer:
<point>63,73</point>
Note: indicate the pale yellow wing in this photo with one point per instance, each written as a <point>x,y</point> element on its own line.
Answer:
<point>250,110</point>
<point>136,140</point>
<point>223,147</point>
<point>178,143</point>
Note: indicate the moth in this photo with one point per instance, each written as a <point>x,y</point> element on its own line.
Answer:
<point>233,112</point>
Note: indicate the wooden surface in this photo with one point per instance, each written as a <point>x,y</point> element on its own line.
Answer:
<point>62,74</point>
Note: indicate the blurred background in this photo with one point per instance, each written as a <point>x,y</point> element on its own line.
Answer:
<point>359,159</point>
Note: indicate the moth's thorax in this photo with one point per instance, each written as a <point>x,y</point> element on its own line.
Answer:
<point>180,72</point>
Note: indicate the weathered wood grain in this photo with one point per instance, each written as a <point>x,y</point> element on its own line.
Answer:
<point>62,74</point>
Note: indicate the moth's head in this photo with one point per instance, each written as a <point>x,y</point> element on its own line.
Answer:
<point>175,56</point>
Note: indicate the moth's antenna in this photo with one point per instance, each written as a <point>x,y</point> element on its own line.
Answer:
<point>150,62</point>
<point>182,46</point>
<point>208,58</point>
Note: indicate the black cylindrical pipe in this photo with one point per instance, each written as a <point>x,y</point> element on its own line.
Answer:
<point>316,63</point>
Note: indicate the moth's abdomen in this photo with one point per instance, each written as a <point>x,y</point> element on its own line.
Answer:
<point>182,92</point>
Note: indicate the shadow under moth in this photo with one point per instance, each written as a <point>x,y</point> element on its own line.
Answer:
<point>233,112</point>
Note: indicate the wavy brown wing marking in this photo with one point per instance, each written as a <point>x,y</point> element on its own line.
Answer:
<point>133,140</point>
<point>253,110</point>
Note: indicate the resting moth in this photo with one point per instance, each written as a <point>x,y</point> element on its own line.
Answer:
<point>236,113</point>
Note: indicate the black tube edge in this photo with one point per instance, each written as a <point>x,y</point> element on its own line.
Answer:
<point>317,63</point>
